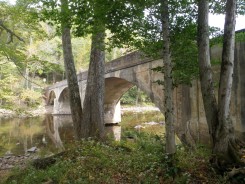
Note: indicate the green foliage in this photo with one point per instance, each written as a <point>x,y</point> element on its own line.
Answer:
<point>31,98</point>
<point>240,35</point>
<point>95,162</point>
<point>131,95</point>
<point>217,37</point>
<point>184,55</point>
<point>140,160</point>
<point>217,7</point>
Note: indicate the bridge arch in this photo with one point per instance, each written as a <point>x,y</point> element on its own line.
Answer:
<point>51,97</point>
<point>115,88</point>
<point>63,102</point>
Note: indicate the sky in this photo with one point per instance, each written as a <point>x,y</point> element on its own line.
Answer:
<point>214,20</point>
<point>219,20</point>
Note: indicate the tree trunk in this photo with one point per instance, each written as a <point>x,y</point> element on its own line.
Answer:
<point>206,77</point>
<point>168,82</point>
<point>225,131</point>
<point>93,112</point>
<point>74,96</point>
<point>137,96</point>
<point>218,116</point>
<point>26,75</point>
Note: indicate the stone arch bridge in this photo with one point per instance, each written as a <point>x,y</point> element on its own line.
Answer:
<point>134,69</point>
<point>120,75</point>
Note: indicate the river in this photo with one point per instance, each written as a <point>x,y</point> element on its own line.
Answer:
<point>49,134</point>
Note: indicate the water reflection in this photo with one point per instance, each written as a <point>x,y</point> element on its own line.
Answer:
<point>52,134</point>
<point>17,135</point>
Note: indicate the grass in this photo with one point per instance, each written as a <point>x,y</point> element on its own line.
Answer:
<point>140,160</point>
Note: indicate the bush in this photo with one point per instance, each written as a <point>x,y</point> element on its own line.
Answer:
<point>31,98</point>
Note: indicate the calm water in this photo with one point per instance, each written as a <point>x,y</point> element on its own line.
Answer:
<point>51,134</point>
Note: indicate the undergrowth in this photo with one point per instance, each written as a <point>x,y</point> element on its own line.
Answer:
<point>139,160</point>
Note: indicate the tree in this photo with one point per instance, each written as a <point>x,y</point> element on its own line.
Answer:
<point>74,95</point>
<point>218,115</point>
<point>168,81</point>
<point>93,113</point>
<point>16,24</point>
<point>90,123</point>
<point>206,77</point>
<point>224,131</point>
<point>146,34</point>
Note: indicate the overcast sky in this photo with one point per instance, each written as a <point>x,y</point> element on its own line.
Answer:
<point>219,20</point>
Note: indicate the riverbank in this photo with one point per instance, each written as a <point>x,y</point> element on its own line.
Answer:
<point>8,160</point>
<point>39,111</point>
<point>138,108</point>
<point>141,161</point>
<point>6,113</point>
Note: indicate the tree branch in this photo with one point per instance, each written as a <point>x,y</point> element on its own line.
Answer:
<point>10,32</point>
<point>12,59</point>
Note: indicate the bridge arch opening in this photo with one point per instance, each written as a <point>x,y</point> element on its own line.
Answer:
<point>64,102</point>
<point>64,95</point>
<point>51,97</point>
<point>116,87</point>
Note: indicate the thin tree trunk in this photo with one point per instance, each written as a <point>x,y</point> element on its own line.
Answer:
<point>206,77</point>
<point>198,112</point>
<point>74,96</point>
<point>26,84</point>
<point>168,82</point>
<point>137,96</point>
<point>225,130</point>
<point>93,113</point>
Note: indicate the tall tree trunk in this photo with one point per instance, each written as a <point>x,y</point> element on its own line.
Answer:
<point>218,116</point>
<point>225,131</point>
<point>168,82</point>
<point>206,77</point>
<point>93,112</point>
<point>74,96</point>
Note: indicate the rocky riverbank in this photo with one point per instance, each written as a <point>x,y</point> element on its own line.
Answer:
<point>138,108</point>
<point>9,161</point>
<point>6,113</point>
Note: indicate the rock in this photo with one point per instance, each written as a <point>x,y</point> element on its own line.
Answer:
<point>32,150</point>
<point>8,162</point>
<point>9,166</point>
<point>151,123</point>
<point>8,153</point>
<point>138,127</point>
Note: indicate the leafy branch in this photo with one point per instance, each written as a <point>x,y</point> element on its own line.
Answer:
<point>9,58</point>
<point>12,34</point>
